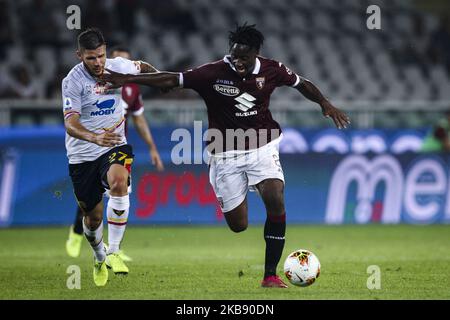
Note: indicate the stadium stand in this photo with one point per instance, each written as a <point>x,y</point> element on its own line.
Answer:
<point>327,41</point>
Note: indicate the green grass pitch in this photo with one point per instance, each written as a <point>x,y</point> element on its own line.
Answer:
<point>205,262</point>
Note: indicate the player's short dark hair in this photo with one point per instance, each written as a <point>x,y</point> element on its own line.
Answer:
<point>248,35</point>
<point>91,39</point>
<point>120,48</point>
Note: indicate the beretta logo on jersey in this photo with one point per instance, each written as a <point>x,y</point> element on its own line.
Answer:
<point>105,107</point>
<point>226,90</point>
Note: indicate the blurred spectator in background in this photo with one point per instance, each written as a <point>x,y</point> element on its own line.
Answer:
<point>126,15</point>
<point>170,15</point>
<point>438,138</point>
<point>414,51</point>
<point>3,84</point>
<point>38,24</point>
<point>53,89</point>
<point>174,34</point>
<point>6,32</point>
<point>99,14</point>
<point>440,43</point>
<point>20,84</point>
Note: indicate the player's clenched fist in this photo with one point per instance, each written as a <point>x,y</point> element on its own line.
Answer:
<point>107,139</point>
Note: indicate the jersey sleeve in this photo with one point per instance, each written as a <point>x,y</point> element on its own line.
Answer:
<point>195,78</point>
<point>127,66</point>
<point>71,96</point>
<point>285,77</point>
<point>133,97</point>
<point>138,107</point>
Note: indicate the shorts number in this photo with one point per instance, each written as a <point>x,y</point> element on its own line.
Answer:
<point>277,160</point>
<point>122,156</point>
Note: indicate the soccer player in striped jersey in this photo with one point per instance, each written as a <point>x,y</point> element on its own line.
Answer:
<point>134,109</point>
<point>99,156</point>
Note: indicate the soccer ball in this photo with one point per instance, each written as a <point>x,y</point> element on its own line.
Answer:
<point>302,267</point>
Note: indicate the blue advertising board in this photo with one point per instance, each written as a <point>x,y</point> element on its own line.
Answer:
<point>331,177</point>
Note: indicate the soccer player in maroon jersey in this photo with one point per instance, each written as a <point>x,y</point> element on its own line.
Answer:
<point>236,91</point>
<point>134,106</point>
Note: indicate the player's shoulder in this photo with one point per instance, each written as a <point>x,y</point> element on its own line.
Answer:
<point>116,63</point>
<point>116,60</point>
<point>272,65</point>
<point>269,63</point>
<point>74,76</point>
<point>76,71</point>
<point>133,86</point>
<point>130,88</point>
<point>214,65</point>
<point>122,65</point>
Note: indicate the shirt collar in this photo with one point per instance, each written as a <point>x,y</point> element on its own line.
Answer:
<point>256,69</point>
<point>86,72</point>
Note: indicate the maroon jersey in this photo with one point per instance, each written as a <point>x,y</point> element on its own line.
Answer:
<point>132,101</point>
<point>239,103</point>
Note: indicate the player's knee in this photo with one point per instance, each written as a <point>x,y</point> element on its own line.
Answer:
<point>93,222</point>
<point>119,184</point>
<point>239,227</point>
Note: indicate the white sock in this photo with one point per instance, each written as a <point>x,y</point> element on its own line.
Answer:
<point>117,212</point>
<point>95,238</point>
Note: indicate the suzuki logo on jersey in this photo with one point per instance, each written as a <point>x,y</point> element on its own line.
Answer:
<point>245,103</point>
<point>226,90</point>
<point>106,107</point>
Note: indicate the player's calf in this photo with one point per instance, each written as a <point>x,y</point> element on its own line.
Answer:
<point>94,235</point>
<point>272,194</point>
<point>274,235</point>
<point>117,212</point>
<point>271,191</point>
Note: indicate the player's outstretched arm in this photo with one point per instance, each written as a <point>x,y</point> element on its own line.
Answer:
<point>75,129</point>
<point>160,79</point>
<point>146,135</point>
<point>311,92</point>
